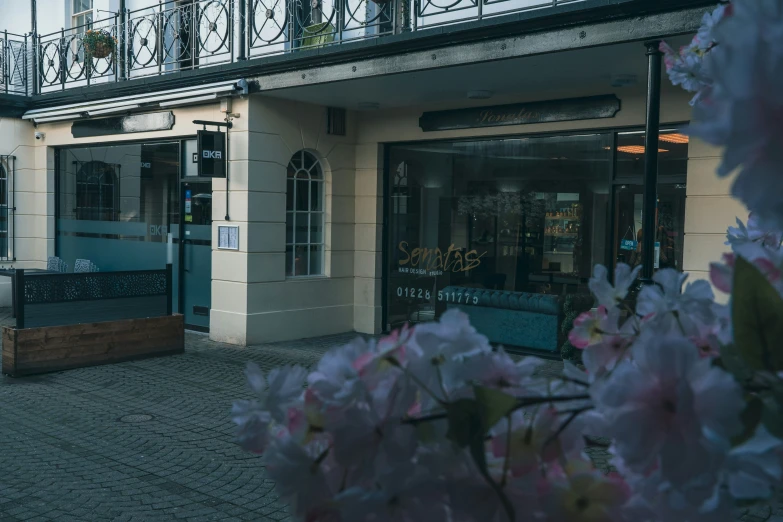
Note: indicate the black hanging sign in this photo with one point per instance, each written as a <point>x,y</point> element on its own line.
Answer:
<point>128,124</point>
<point>211,154</point>
<point>587,108</point>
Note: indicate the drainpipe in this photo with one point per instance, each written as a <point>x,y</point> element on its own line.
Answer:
<point>652,124</point>
<point>34,43</point>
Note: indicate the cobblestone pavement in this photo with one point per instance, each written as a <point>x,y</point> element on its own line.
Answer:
<point>151,439</point>
<point>143,441</point>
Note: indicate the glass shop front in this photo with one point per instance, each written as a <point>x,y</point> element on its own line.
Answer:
<point>508,230</point>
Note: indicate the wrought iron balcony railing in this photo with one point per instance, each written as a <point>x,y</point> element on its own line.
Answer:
<point>172,37</point>
<point>14,64</point>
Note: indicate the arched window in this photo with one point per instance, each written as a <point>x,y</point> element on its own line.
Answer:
<point>304,250</point>
<point>96,192</point>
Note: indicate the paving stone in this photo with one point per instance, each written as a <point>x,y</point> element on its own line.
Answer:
<point>66,455</point>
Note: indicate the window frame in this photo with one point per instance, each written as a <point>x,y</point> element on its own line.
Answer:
<point>88,15</point>
<point>92,184</point>
<point>315,177</point>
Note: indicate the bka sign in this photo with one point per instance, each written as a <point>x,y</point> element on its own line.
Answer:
<point>211,154</point>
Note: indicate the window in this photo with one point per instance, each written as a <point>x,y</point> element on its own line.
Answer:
<point>95,192</point>
<point>495,224</point>
<point>304,251</point>
<point>82,13</point>
<point>81,20</point>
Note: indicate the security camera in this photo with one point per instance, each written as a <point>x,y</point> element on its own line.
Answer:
<point>40,135</point>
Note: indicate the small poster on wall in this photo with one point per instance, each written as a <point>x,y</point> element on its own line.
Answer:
<point>228,237</point>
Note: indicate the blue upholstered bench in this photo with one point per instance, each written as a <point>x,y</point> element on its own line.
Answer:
<point>511,318</point>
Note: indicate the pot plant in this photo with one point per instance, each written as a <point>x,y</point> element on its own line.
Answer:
<point>99,43</point>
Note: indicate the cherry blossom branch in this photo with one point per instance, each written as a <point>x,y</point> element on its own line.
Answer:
<point>574,414</point>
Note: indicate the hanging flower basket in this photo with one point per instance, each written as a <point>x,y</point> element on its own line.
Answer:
<point>99,43</point>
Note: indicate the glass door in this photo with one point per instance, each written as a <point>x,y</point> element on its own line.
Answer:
<point>196,295</point>
<point>669,217</point>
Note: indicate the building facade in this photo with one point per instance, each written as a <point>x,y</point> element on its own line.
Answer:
<point>386,161</point>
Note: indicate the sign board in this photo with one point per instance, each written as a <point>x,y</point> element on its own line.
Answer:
<point>587,108</point>
<point>188,202</point>
<point>211,154</point>
<point>228,237</point>
<point>657,263</point>
<point>149,122</point>
<point>628,244</point>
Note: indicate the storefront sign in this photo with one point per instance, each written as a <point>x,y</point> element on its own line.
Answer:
<point>211,154</point>
<point>153,121</point>
<point>433,261</point>
<point>588,108</point>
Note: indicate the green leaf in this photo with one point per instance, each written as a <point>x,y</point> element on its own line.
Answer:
<point>757,317</point>
<point>732,361</point>
<point>464,422</point>
<point>751,417</point>
<point>772,416</point>
<point>493,405</point>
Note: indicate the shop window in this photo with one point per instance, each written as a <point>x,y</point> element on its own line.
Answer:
<point>305,216</point>
<point>629,193</point>
<point>96,192</point>
<point>490,226</point>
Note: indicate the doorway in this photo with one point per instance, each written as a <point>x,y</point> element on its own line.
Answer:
<point>196,253</point>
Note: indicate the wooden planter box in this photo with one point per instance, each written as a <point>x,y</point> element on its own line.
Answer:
<point>54,348</point>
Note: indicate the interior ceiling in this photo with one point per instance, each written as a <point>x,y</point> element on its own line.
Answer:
<point>585,69</point>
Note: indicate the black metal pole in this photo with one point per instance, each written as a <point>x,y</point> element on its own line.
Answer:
<point>649,214</point>
<point>34,43</point>
<point>121,43</point>
<point>169,288</point>
<point>19,295</point>
<point>241,38</point>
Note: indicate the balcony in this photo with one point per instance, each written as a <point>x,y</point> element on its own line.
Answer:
<point>171,37</point>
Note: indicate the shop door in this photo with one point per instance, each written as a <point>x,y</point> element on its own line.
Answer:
<point>196,293</point>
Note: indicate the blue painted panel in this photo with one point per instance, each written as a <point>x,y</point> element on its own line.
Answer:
<point>514,327</point>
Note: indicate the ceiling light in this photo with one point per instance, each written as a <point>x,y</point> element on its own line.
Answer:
<point>635,149</point>
<point>369,105</point>
<point>479,95</point>
<point>673,138</point>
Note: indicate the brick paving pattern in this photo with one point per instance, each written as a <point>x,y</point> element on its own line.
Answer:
<point>151,440</point>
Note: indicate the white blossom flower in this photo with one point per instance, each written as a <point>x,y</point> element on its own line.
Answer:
<point>584,494</point>
<point>659,406</point>
<point>532,440</point>
<point>743,107</point>
<point>300,474</point>
<point>606,294</point>
<point>753,469</point>
<point>253,422</point>
<point>371,435</point>
<point>404,493</point>
<point>336,379</point>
